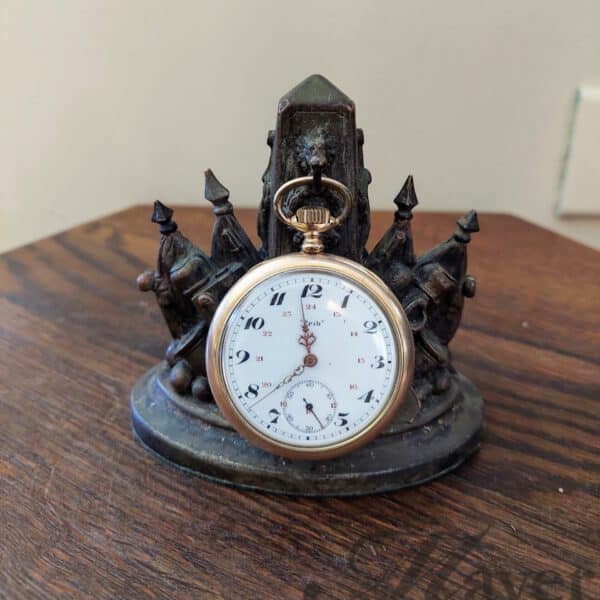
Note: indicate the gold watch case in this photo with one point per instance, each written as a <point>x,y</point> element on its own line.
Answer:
<point>317,263</point>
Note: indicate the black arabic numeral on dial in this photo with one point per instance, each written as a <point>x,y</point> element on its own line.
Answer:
<point>275,414</point>
<point>252,391</point>
<point>243,355</point>
<point>370,326</point>
<point>342,421</point>
<point>254,323</point>
<point>345,301</point>
<point>277,299</point>
<point>378,362</point>
<point>312,290</point>
<point>366,397</point>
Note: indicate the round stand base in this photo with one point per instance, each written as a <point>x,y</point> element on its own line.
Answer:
<point>196,437</point>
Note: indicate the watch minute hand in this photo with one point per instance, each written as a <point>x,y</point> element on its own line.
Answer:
<point>297,371</point>
<point>307,339</point>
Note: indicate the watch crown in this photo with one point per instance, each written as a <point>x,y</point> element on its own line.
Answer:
<point>312,215</point>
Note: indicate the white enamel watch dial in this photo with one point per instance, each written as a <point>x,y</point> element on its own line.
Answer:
<point>309,356</point>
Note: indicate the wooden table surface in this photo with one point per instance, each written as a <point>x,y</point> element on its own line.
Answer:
<point>86,512</point>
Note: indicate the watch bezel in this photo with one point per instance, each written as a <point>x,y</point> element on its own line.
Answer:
<point>335,265</point>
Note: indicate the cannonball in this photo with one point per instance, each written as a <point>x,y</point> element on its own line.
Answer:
<point>201,389</point>
<point>469,286</point>
<point>181,376</point>
<point>145,281</point>
<point>441,380</point>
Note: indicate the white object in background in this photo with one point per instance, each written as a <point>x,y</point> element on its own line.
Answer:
<point>580,182</point>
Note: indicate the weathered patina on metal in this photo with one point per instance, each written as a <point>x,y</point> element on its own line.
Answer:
<point>172,408</point>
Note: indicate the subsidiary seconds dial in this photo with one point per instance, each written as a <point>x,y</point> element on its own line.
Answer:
<point>309,406</point>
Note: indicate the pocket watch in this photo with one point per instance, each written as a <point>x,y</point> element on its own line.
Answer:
<point>310,355</point>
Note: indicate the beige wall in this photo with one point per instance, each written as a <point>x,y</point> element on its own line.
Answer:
<point>107,104</point>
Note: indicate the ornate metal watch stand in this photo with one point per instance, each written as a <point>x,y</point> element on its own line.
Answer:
<point>172,408</point>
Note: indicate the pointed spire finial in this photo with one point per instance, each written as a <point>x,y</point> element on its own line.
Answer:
<point>217,194</point>
<point>406,199</point>
<point>162,215</point>
<point>467,225</point>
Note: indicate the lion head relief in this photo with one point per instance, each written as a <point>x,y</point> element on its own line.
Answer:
<point>314,151</point>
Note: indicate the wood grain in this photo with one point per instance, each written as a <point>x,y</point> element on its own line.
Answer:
<point>86,513</point>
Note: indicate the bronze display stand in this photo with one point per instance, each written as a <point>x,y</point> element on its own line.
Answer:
<point>172,409</point>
